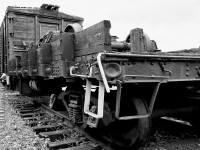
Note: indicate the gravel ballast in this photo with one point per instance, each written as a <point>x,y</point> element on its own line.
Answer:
<point>14,135</point>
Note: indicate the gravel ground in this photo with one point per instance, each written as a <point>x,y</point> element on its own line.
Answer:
<point>169,135</point>
<point>14,135</point>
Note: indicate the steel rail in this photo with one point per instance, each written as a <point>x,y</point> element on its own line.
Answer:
<point>66,121</point>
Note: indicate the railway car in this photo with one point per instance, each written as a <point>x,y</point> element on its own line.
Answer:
<point>113,88</point>
<point>22,26</point>
<point>119,87</point>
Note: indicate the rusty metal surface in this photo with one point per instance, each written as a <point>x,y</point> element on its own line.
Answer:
<point>153,67</point>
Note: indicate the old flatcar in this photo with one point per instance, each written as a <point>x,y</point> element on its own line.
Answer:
<point>118,87</point>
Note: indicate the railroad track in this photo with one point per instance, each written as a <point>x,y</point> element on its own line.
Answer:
<point>55,126</point>
<point>63,134</point>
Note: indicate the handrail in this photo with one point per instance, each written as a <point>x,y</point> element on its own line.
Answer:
<point>102,72</point>
<point>90,73</point>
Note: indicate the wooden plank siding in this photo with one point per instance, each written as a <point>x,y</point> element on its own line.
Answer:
<point>49,20</point>
<point>20,32</point>
<point>94,39</point>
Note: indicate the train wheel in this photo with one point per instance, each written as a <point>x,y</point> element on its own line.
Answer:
<point>127,133</point>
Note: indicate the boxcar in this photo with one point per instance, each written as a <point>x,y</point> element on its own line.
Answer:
<point>24,25</point>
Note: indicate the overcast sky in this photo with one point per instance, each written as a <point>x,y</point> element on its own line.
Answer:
<point>173,24</point>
